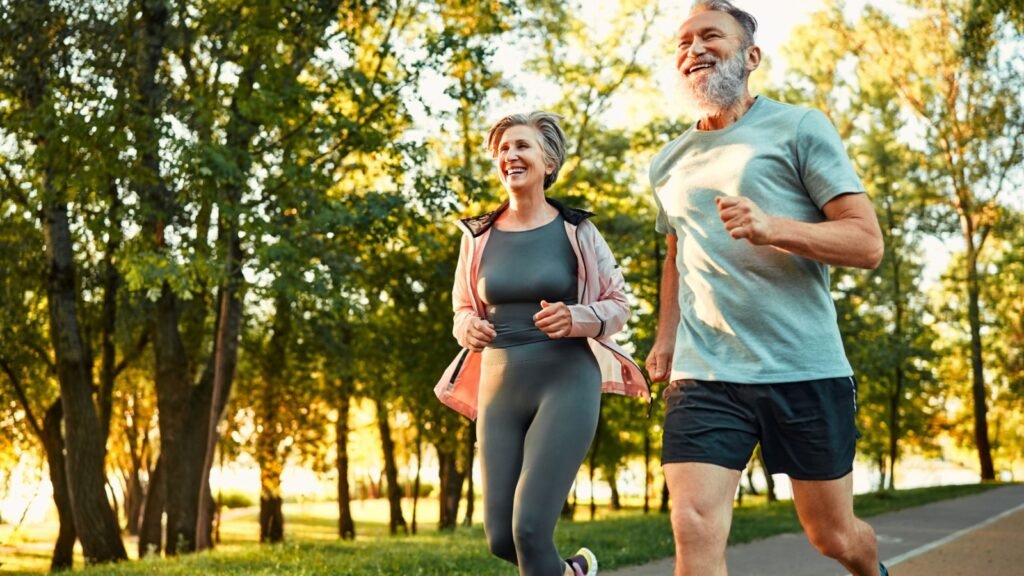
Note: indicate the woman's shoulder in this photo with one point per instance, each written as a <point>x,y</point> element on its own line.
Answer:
<point>477,225</point>
<point>572,215</point>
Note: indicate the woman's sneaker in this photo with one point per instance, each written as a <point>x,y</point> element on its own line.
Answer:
<point>583,563</point>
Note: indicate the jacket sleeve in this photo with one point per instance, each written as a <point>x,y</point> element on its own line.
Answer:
<point>608,313</point>
<point>462,296</point>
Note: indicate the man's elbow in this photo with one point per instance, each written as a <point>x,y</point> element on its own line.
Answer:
<point>873,253</point>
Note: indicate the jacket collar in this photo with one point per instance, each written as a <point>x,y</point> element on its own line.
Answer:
<point>477,225</point>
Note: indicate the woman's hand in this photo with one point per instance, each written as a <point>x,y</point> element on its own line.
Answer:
<point>555,320</point>
<point>479,334</point>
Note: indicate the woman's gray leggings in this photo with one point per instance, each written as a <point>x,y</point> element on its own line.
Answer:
<point>538,410</point>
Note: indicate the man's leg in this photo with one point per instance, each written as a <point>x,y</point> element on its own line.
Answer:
<point>701,496</point>
<point>825,508</point>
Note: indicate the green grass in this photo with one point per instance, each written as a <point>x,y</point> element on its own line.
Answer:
<point>621,538</point>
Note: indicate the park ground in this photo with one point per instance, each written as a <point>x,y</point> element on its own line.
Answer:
<point>626,538</point>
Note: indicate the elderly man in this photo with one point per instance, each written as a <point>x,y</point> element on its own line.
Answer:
<point>757,200</point>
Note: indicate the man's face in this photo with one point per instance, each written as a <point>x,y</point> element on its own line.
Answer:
<point>711,61</point>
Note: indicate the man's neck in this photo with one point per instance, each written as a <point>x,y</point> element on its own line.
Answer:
<point>728,116</point>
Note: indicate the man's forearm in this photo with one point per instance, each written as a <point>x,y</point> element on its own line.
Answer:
<point>848,242</point>
<point>849,237</point>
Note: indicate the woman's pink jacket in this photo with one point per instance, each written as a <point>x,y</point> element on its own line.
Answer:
<point>602,310</point>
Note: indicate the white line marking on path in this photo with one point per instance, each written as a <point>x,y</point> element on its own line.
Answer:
<point>933,545</point>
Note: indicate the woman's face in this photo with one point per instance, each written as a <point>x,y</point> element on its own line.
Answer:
<point>521,165</point>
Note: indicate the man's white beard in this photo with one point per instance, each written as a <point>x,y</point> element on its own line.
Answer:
<point>717,91</point>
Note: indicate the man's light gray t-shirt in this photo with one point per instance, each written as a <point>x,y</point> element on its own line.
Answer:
<point>753,314</point>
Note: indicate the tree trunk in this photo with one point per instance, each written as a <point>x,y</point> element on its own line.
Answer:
<point>271,516</point>
<point>151,531</point>
<point>53,442</point>
<point>648,476</point>
<point>396,519</point>
<point>112,498</point>
<point>271,463</point>
<point>173,393</point>
<point>138,449</point>
<point>894,427</point>
<point>897,393</point>
<point>451,489</point>
<point>593,503</point>
<point>750,480</point>
<point>416,482</point>
<point>593,460</point>
<point>133,501</point>
<point>614,482</point>
<point>95,523</point>
<point>173,380</point>
<point>977,367</point>
<point>467,520</point>
<point>195,488</point>
<point>268,454</point>
<point>768,480</point>
<point>658,263</point>
<point>346,525</point>
<point>225,359</point>
<point>271,466</point>
<point>111,284</point>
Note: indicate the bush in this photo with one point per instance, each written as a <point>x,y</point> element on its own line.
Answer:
<point>236,499</point>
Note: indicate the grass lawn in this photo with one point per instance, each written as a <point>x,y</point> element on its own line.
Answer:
<point>621,539</point>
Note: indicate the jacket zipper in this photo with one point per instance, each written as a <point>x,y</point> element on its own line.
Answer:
<point>583,295</point>
<point>458,368</point>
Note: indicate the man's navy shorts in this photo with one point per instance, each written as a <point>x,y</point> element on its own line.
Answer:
<point>807,429</point>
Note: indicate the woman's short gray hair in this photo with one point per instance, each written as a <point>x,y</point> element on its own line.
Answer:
<point>746,19</point>
<point>552,138</point>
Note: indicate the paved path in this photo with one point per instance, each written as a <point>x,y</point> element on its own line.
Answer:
<point>982,534</point>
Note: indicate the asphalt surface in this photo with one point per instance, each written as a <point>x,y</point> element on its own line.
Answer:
<point>982,534</point>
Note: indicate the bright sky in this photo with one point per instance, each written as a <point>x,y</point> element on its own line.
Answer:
<point>776,21</point>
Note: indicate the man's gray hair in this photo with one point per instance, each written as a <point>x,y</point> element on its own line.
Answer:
<point>746,19</point>
<point>552,138</point>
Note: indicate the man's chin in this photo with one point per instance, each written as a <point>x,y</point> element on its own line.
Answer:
<point>700,108</point>
<point>700,104</point>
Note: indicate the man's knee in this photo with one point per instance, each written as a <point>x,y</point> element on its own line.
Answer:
<point>837,542</point>
<point>692,527</point>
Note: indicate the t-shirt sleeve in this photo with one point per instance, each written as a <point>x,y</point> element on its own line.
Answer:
<point>661,223</point>
<point>825,168</point>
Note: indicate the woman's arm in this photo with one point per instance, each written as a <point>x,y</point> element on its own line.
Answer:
<point>609,311</point>
<point>469,329</point>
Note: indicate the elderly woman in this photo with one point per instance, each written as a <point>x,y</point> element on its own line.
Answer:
<point>537,296</point>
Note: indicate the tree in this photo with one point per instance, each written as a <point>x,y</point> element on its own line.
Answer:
<point>45,122</point>
<point>969,119</point>
<point>1001,322</point>
<point>881,315</point>
<point>600,175</point>
<point>221,169</point>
